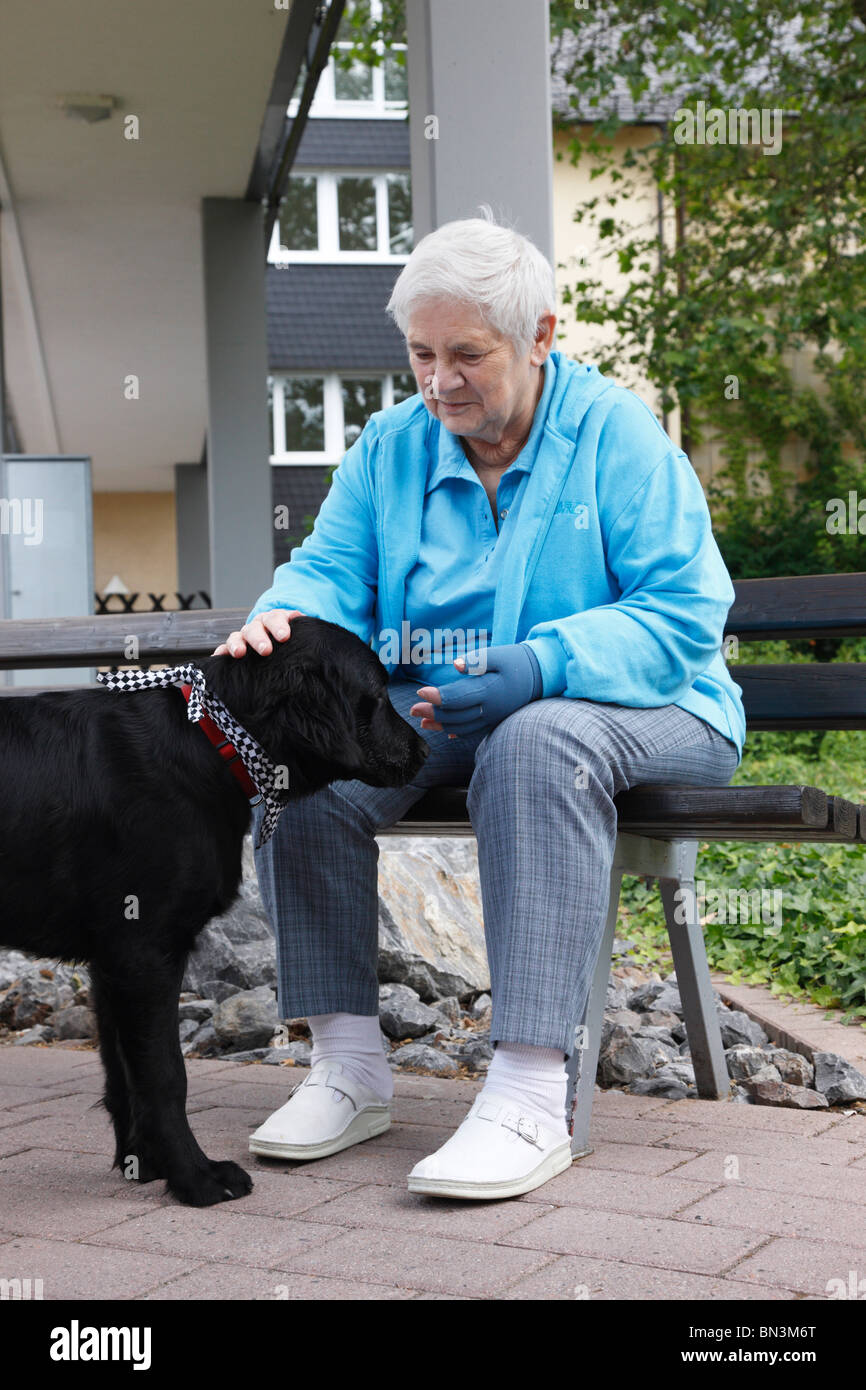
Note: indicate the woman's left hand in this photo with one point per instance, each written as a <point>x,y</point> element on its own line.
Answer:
<point>503,679</point>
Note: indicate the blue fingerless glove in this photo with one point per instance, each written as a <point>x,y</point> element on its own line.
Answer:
<point>511,678</point>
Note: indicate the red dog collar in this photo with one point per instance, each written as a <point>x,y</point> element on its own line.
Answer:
<point>226,750</point>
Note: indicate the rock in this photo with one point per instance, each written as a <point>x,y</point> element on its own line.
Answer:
<point>298,1053</point>
<point>418,1057</point>
<point>246,1020</point>
<point>780,1093</point>
<point>660,1034</point>
<point>402,1015</point>
<point>250,1054</point>
<point>631,1058</point>
<point>297,1029</point>
<point>187,1029</point>
<point>449,1008</point>
<point>837,1079</point>
<point>477,1054</point>
<point>792,1067</point>
<point>744,1061</point>
<point>218,990</point>
<point>199,1010</point>
<point>40,1033</point>
<point>738,1028</point>
<point>667,1087</point>
<point>31,1000</point>
<point>622,948</point>
<point>767,1073</point>
<point>74,1022</point>
<point>625,1019</point>
<point>617,995</point>
<point>13,964</point>
<point>482,1004</point>
<point>663,1018</point>
<point>658,995</point>
<point>431,927</point>
<point>204,1041</point>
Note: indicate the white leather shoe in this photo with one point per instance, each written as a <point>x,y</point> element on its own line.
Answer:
<point>327,1112</point>
<point>497,1152</point>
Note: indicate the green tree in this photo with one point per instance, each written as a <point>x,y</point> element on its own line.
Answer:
<point>768,254</point>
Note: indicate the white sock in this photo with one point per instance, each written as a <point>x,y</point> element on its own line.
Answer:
<point>354,1040</point>
<point>535,1078</point>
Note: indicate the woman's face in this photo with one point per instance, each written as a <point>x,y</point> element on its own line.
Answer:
<point>472,379</point>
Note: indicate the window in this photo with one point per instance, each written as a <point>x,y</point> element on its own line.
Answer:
<point>329,216</point>
<point>316,418</point>
<point>356,214</point>
<point>359,90</point>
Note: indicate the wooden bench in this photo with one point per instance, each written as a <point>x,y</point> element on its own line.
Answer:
<point>659,827</point>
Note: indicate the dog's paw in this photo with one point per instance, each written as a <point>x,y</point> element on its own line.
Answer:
<point>219,1182</point>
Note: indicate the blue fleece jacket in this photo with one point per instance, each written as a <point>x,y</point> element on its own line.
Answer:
<point>611,571</point>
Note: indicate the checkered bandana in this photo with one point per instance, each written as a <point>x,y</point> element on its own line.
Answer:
<point>263,773</point>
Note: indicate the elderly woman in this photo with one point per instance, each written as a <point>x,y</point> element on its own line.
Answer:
<point>526,498</point>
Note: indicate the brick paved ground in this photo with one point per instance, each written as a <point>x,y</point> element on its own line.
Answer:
<point>680,1200</point>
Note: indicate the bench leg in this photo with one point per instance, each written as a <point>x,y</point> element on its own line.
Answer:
<point>582,1065</point>
<point>693,978</point>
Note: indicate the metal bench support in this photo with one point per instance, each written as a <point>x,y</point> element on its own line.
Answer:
<point>672,862</point>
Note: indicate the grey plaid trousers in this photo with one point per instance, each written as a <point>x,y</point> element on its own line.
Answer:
<point>541,788</point>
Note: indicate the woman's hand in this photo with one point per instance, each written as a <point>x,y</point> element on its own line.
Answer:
<point>503,680</point>
<point>257,634</point>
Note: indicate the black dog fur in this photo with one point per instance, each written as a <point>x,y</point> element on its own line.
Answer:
<point>111,798</point>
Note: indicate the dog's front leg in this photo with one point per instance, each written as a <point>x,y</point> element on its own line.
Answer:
<point>160,1141</point>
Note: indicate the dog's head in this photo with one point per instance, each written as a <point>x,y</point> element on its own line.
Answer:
<point>319,706</point>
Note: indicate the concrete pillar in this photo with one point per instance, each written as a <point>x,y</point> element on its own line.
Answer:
<point>240,518</point>
<point>480,114</point>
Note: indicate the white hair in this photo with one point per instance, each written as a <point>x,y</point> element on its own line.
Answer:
<point>478,261</point>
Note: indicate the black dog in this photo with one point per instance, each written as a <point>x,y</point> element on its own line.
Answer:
<point>111,799</point>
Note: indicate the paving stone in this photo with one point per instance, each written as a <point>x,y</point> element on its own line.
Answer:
<point>631,1158</point>
<point>616,1130</point>
<point>727,1115</point>
<point>244,1282</point>
<point>218,1233</point>
<point>805,1266</point>
<point>577,1278</point>
<point>369,1162</point>
<point>434,1265</point>
<point>622,1191</point>
<point>653,1241</point>
<point>774,1174</point>
<point>624,1103</point>
<point>289,1189</point>
<point>73,1270</point>
<point>782,1213</point>
<point>43,1195</point>
<point>393,1208</point>
<point>822,1148</point>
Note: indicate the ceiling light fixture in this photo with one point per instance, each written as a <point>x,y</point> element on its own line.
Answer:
<point>88,106</point>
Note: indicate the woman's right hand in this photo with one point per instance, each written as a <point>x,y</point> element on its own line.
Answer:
<point>257,634</point>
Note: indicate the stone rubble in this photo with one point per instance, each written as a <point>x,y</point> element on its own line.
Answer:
<point>434,1000</point>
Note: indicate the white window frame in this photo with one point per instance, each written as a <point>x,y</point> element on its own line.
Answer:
<point>326,103</point>
<point>335,446</point>
<point>327,216</point>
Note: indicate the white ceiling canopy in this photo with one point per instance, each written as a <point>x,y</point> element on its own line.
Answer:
<point>115,121</point>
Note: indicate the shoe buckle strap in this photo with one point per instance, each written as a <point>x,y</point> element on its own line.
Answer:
<point>524,1126</point>
<point>334,1079</point>
<point>521,1124</point>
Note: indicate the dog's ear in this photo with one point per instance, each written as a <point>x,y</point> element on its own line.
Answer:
<point>310,710</point>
